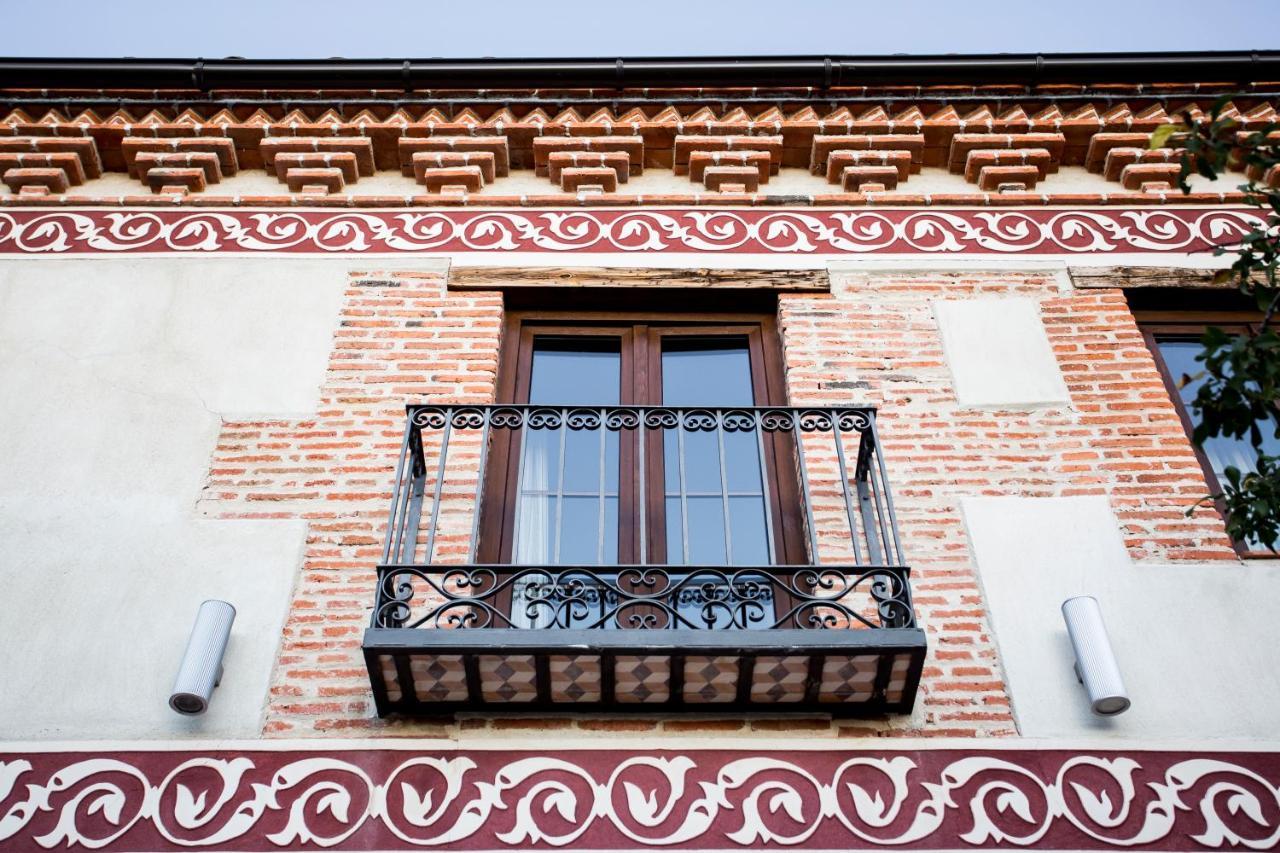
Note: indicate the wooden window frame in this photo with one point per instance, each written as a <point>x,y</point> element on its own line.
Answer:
<point>1192,325</point>
<point>641,332</point>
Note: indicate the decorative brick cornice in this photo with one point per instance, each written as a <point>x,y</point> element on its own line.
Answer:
<point>448,152</point>
<point>835,799</point>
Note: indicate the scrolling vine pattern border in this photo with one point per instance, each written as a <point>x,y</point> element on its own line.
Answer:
<point>749,231</point>
<point>393,799</point>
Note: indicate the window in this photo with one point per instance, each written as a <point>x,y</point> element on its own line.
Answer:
<point>705,497</point>
<point>571,497</point>
<point>1175,343</point>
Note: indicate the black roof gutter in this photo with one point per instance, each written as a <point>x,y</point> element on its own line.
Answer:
<point>816,72</point>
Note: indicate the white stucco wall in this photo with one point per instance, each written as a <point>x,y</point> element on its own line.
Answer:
<point>999,353</point>
<point>116,374</point>
<point>1195,643</point>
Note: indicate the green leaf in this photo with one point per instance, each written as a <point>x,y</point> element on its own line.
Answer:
<point>1160,136</point>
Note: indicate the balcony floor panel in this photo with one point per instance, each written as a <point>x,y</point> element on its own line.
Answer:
<point>843,673</point>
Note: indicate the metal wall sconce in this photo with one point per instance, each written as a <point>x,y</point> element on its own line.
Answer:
<point>201,669</point>
<point>1096,666</point>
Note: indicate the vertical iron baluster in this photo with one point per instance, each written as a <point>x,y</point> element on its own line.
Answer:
<point>411,504</point>
<point>394,519</point>
<point>684,498</point>
<point>888,498</point>
<point>643,434</point>
<point>876,486</point>
<point>866,490</point>
<point>475,517</point>
<point>413,514</point>
<point>435,498</point>
<point>804,484</point>
<point>764,487</point>
<point>516,555</point>
<point>604,432</point>
<point>838,437</point>
<point>724,489</point>
<point>564,430</point>
<point>391,540</point>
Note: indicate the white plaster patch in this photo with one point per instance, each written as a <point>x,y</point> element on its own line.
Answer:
<point>1194,642</point>
<point>999,353</point>
<point>117,374</point>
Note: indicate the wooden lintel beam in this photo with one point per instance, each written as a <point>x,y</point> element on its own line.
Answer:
<point>1141,277</point>
<point>500,278</point>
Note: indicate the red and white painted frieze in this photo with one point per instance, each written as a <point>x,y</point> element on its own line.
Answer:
<point>491,799</point>
<point>728,231</point>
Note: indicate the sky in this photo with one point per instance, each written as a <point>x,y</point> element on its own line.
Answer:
<point>609,28</point>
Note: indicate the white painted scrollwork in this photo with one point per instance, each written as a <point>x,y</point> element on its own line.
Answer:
<point>931,231</point>
<point>983,800</point>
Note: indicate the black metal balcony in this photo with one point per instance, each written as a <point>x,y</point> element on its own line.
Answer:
<point>464,619</point>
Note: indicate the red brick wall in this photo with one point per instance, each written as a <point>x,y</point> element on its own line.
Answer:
<point>402,338</point>
<point>875,341</point>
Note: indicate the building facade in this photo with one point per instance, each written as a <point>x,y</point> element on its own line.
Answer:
<point>622,455</point>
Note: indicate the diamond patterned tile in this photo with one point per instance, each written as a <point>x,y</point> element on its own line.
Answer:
<point>390,676</point>
<point>508,678</point>
<point>897,678</point>
<point>575,678</point>
<point>439,678</point>
<point>779,679</point>
<point>642,679</point>
<point>711,679</point>
<point>848,679</point>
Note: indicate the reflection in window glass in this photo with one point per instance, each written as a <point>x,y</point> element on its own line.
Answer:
<point>1179,355</point>
<point>1180,358</point>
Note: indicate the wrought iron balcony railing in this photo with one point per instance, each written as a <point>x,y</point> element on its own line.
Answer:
<point>642,558</point>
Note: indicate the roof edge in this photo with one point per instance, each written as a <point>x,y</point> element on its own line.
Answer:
<point>812,72</point>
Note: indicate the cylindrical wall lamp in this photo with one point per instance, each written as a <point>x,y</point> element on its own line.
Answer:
<point>201,669</point>
<point>1096,665</point>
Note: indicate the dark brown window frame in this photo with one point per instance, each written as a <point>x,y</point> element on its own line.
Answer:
<point>1155,324</point>
<point>640,333</point>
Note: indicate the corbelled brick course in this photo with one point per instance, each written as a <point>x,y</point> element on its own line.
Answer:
<point>662,132</point>
<point>403,337</point>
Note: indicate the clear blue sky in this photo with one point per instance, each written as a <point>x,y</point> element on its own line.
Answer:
<point>506,28</point>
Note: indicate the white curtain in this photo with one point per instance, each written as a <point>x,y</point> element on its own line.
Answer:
<point>533,542</point>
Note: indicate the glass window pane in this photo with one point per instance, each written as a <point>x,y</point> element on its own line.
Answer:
<point>742,461</point>
<point>535,528</point>
<point>541,468</point>
<point>670,461</point>
<point>701,462</point>
<point>610,530</point>
<point>706,531</point>
<point>580,531</point>
<point>746,522</point>
<point>1180,358</point>
<point>576,371</point>
<point>675,535</point>
<point>706,372</point>
<point>611,462</point>
<point>582,454</point>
